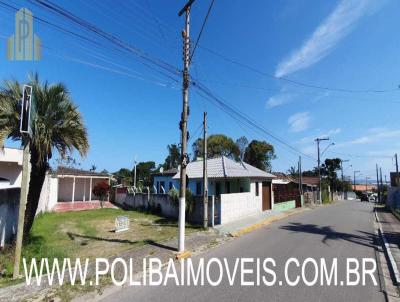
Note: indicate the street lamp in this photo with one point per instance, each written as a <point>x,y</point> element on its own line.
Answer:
<point>331,144</point>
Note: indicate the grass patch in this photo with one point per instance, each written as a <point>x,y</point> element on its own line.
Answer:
<point>89,234</point>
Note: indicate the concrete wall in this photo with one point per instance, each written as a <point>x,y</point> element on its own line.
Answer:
<point>82,188</point>
<point>284,206</point>
<point>237,205</point>
<point>48,195</point>
<point>9,201</point>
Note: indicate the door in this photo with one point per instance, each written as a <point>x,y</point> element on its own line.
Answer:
<point>266,196</point>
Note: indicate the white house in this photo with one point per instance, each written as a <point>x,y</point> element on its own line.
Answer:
<point>10,168</point>
<point>240,188</point>
<point>10,184</point>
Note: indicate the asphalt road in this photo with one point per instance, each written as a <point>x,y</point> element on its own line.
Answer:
<point>344,230</point>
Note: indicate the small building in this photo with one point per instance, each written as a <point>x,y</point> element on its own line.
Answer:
<point>163,181</point>
<point>10,168</point>
<point>10,187</point>
<point>239,188</point>
<point>364,187</point>
<point>69,189</point>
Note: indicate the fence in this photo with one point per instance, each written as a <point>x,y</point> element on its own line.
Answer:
<point>166,207</point>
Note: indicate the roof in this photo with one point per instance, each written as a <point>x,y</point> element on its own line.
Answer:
<point>310,180</point>
<point>364,187</point>
<point>168,172</point>
<point>284,177</point>
<point>78,172</point>
<point>223,167</point>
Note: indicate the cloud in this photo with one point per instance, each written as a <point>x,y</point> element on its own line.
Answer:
<point>374,135</point>
<point>278,100</point>
<point>325,37</point>
<point>299,121</point>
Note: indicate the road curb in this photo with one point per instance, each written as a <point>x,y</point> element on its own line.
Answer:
<point>265,222</point>
<point>386,246</point>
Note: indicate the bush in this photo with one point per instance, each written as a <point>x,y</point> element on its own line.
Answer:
<point>174,196</point>
<point>101,190</point>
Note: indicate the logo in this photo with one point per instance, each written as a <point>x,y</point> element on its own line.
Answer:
<point>24,45</point>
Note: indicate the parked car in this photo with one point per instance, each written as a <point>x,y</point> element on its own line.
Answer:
<point>364,197</point>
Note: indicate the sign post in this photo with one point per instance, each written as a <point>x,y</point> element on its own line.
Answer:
<point>25,130</point>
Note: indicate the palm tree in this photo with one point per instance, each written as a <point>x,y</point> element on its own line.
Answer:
<point>56,125</point>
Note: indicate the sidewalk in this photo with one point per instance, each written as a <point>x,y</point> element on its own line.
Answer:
<point>252,222</point>
<point>390,229</point>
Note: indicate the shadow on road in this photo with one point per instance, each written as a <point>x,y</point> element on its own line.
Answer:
<point>328,233</point>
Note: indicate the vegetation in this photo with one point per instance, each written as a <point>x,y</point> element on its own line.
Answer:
<point>101,190</point>
<point>56,125</point>
<point>89,234</point>
<point>189,205</point>
<point>217,145</point>
<point>260,154</point>
<point>173,158</point>
<point>143,173</point>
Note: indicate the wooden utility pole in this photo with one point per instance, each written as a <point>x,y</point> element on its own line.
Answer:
<point>397,172</point>
<point>205,179</point>
<point>318,140</point>
<point>341,168</point>
<point>26,133</point>
<point>183,123</point>
<point>377,181</point>
<point>22,207</point>
<point>381,186</point>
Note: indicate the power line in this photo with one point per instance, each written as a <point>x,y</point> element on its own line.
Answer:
<point>201,30</point>
<point>295,82</point>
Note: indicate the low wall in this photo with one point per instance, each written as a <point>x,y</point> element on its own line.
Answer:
<point>237,205</point>
<point>9,201</point>
<point>284,206</point>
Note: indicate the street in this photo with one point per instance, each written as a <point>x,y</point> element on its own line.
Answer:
<point>343,230</point>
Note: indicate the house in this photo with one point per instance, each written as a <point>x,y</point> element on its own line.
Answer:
<point>239,188</point>
<point>163,181</point>
<point>10,187</point>
<point>10,168</point>
<point>286,193</point>
<point>364,187</point>
<point>70,189</point>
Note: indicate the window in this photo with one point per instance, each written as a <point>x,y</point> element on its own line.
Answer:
<point>198,188</point>
<point>170,186</point>
<point>228,187</point>
<point>257,189</point>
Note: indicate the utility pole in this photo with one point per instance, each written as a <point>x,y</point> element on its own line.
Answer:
<point>183,124</point>
<point>341,168</point>
<point>25,130</point>
<point>397,172</point>
<point>134,175</point>
<point>300,177</point>
<point>377,181</point>
<point>381,186</point>
<point>318,140</point>
<point>205,179</point>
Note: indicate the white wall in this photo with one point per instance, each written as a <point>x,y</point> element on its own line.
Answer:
<point>48,195</point>
<point>12,172</point>
<point>237,205</point>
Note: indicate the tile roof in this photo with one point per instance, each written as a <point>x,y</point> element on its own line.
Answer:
<point>71,171</point>
<point>223,167</point>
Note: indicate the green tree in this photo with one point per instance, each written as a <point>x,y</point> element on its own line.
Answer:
<point>57,125</point>
<point>143,172</point>
<point>328,170</point>
<point>260,154</point>
<point>293,171</point>
<point>173,158</point>
<point>217,145</point>
<point>123,174</point>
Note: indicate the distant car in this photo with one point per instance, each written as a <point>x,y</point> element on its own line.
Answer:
<point>364,197</point>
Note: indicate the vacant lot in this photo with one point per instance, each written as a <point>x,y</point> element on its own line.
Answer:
<point>90,234</point>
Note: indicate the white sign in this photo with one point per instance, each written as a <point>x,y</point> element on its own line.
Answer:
<point>121,224</point>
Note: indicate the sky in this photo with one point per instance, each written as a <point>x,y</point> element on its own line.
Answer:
<point>300,69</point>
